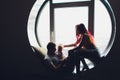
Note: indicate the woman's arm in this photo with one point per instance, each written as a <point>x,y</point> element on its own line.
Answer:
<point>78,41</point>
<point>70,45</point>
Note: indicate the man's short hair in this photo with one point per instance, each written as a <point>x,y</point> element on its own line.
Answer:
<point>51,45</point>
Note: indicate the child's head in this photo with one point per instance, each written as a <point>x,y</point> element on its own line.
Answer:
<point>60,48</point>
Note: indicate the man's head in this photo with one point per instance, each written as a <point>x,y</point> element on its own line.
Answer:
<point>51,47</point>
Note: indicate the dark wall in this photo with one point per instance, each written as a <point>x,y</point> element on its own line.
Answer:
<point>15,51</point>
<point>17,59</point>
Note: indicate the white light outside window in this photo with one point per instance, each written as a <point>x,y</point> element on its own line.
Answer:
<point>103,27</point>
<point>65,21</point>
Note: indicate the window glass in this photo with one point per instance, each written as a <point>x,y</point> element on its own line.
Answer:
<point>103,27</point>
<point>65,21</point>
<point>43,26</point>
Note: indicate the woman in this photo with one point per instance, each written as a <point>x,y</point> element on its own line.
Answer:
<point>84,47</point>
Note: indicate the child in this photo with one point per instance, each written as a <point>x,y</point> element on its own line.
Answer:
<point>59,53</point>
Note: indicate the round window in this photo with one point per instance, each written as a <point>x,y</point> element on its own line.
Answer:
<point>55,21</point>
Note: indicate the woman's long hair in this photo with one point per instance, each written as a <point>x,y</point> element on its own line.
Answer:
<point>80,29</point>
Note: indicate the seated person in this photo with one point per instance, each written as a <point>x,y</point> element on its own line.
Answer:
<point>56,61</point>
<point>51,56</point>
<point>84,47</point>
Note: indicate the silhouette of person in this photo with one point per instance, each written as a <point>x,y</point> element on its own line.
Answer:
<point>84,47</point>
<point>65,66</point>
<point>51,55</point>
<point>60,53</point>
